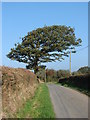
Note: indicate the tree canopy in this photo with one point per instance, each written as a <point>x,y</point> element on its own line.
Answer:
<point>46,44</point>
<point>84,70</point>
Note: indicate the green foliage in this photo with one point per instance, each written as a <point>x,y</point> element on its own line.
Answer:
<point>82,70</point>
<point>76,73</point>
<point>79,82</point>
<point>63,73</point>
<point>41,74</point>
<point>51,75</point>
<point>46,44</point>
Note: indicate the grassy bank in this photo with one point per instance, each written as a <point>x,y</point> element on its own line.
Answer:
<point>79,82</point>
<point>84,91</point>
<point>39,106</point>
<point>18,85</point>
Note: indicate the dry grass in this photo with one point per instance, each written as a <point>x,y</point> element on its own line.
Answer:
<point>17,86</point>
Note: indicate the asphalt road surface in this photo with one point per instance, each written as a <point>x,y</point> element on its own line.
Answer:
<point>68,103</point>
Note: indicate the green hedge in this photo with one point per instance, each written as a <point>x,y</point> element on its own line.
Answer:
<point>81,82</point>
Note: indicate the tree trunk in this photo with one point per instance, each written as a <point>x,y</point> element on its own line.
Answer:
<point>36,66</point>
<point>35,70</point>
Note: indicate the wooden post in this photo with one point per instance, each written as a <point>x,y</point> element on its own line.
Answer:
<point>70,63</point>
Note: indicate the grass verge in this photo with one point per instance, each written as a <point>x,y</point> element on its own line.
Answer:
<point>39,106</point>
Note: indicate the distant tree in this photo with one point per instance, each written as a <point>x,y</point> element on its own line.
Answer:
<point>84,70</point>
<point>51,75</point>
<point>46,44</point>
<point>63,74</point>
<point>41,73</point>
<point>76,73</point>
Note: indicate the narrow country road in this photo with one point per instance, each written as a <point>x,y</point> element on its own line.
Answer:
<point>68,103</point>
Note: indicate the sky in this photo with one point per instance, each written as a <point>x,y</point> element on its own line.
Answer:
<point>19,18</point>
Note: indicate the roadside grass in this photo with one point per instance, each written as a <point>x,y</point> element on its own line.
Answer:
<point>39,106</point>
<point>84,91</point>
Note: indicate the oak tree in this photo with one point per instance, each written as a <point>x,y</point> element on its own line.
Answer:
<point>46,44</point>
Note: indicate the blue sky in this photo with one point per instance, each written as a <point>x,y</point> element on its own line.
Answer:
<point>20,18</point>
